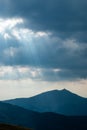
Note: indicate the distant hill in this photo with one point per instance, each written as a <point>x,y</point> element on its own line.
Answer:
<point>62,101</point>
<point>14,115</point>
<point>11,127</point>
<point>11,114</point>
<point>52,121</point>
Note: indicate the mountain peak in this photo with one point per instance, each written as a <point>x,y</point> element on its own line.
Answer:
<point>59,91</point>
<point>58,101</point>
<point>65,91</point>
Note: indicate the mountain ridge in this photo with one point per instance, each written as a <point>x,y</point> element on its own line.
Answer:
<point>14,115</point>
<point>57,101</point>
<point>55,90</point>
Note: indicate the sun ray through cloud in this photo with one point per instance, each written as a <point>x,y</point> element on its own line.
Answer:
<point>44,42</point>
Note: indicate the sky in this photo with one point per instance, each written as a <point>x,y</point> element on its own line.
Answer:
<point>43,46</point>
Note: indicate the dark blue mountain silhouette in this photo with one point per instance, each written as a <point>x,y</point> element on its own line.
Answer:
<point>57,101</point>
<point>11,114</point>
<point>14,115</point>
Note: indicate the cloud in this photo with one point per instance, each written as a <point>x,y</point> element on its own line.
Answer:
<point>39,49</point>
<point>46,35</point>
<point>65,18</point>
<point>40,74</point>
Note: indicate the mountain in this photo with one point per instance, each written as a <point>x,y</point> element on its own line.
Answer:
<point>11,114</point>
<point>52,121</point>
<point>62,101</point>
<point>11,127</point>
<point>14,115</point>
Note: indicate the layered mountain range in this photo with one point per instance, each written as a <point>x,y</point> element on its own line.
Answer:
<point>14,115</point>
<point>61,102</point>
<point>53,110</point>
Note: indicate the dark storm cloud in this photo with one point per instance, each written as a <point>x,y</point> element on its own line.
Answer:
<point>49,56</point>
<point>54,15</point>
<point>64,20</point>
<point>63,75</point>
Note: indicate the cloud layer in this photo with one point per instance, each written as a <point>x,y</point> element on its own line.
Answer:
<point>46,35</point>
